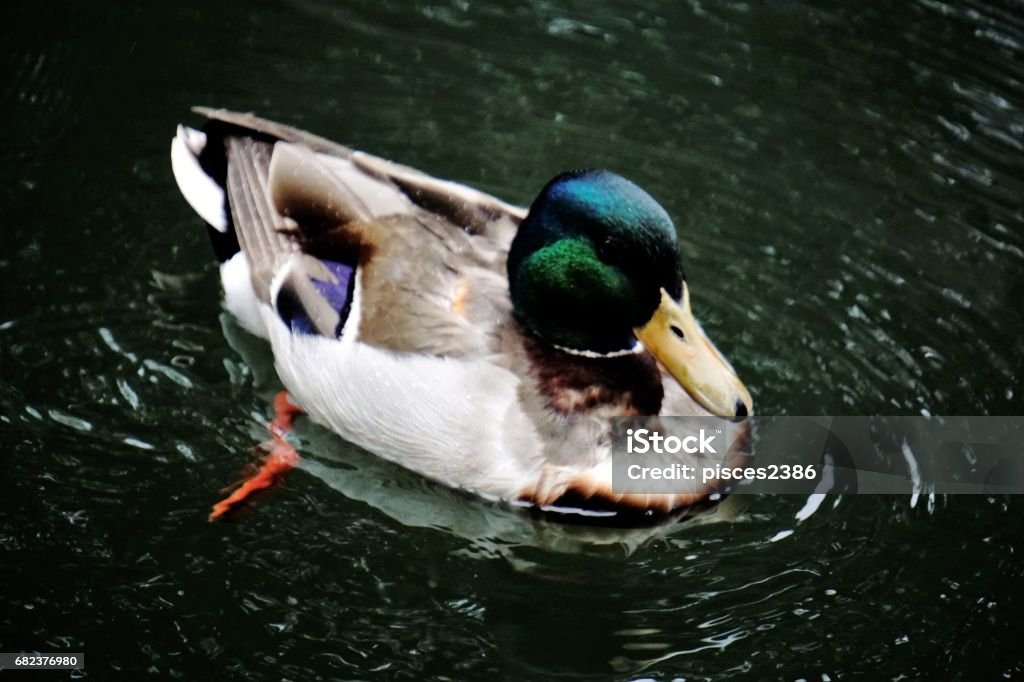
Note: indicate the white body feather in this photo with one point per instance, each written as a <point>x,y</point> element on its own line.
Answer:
<point>239,297</point>
<point>433,415</point>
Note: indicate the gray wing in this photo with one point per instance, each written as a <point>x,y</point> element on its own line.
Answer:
<point>263,235</point>
<point>307,212</point>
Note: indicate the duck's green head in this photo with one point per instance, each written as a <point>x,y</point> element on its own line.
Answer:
<point>595,267</point>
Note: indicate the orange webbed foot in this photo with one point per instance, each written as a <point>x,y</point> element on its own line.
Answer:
<point>280,459</point>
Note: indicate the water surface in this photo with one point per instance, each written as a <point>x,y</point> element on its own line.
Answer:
<point>847,182</point>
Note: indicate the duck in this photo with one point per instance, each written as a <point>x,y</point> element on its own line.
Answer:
<point>482,345</point>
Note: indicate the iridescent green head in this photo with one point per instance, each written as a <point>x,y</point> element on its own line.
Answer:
<point>590,260</point>
<point>595,267</point>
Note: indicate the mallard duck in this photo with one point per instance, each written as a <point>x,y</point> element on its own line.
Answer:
<point>480,344</point>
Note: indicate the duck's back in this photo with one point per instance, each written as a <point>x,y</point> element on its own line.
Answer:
<point>306,214</point>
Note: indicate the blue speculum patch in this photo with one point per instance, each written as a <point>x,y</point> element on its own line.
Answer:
<point>338,294</point>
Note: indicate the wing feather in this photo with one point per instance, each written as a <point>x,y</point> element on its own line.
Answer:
<point>430,252</point>
<point>254,218</point>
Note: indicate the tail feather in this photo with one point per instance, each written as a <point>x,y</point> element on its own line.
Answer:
<point>194,165</point>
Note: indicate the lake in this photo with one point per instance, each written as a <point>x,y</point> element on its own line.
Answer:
<point>848,183</point>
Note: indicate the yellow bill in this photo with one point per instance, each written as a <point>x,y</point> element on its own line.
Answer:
<point>676,339</point>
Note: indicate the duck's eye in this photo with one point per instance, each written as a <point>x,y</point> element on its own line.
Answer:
<point>678,332</point>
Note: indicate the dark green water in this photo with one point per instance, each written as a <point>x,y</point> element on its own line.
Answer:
<point>848,183</point>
